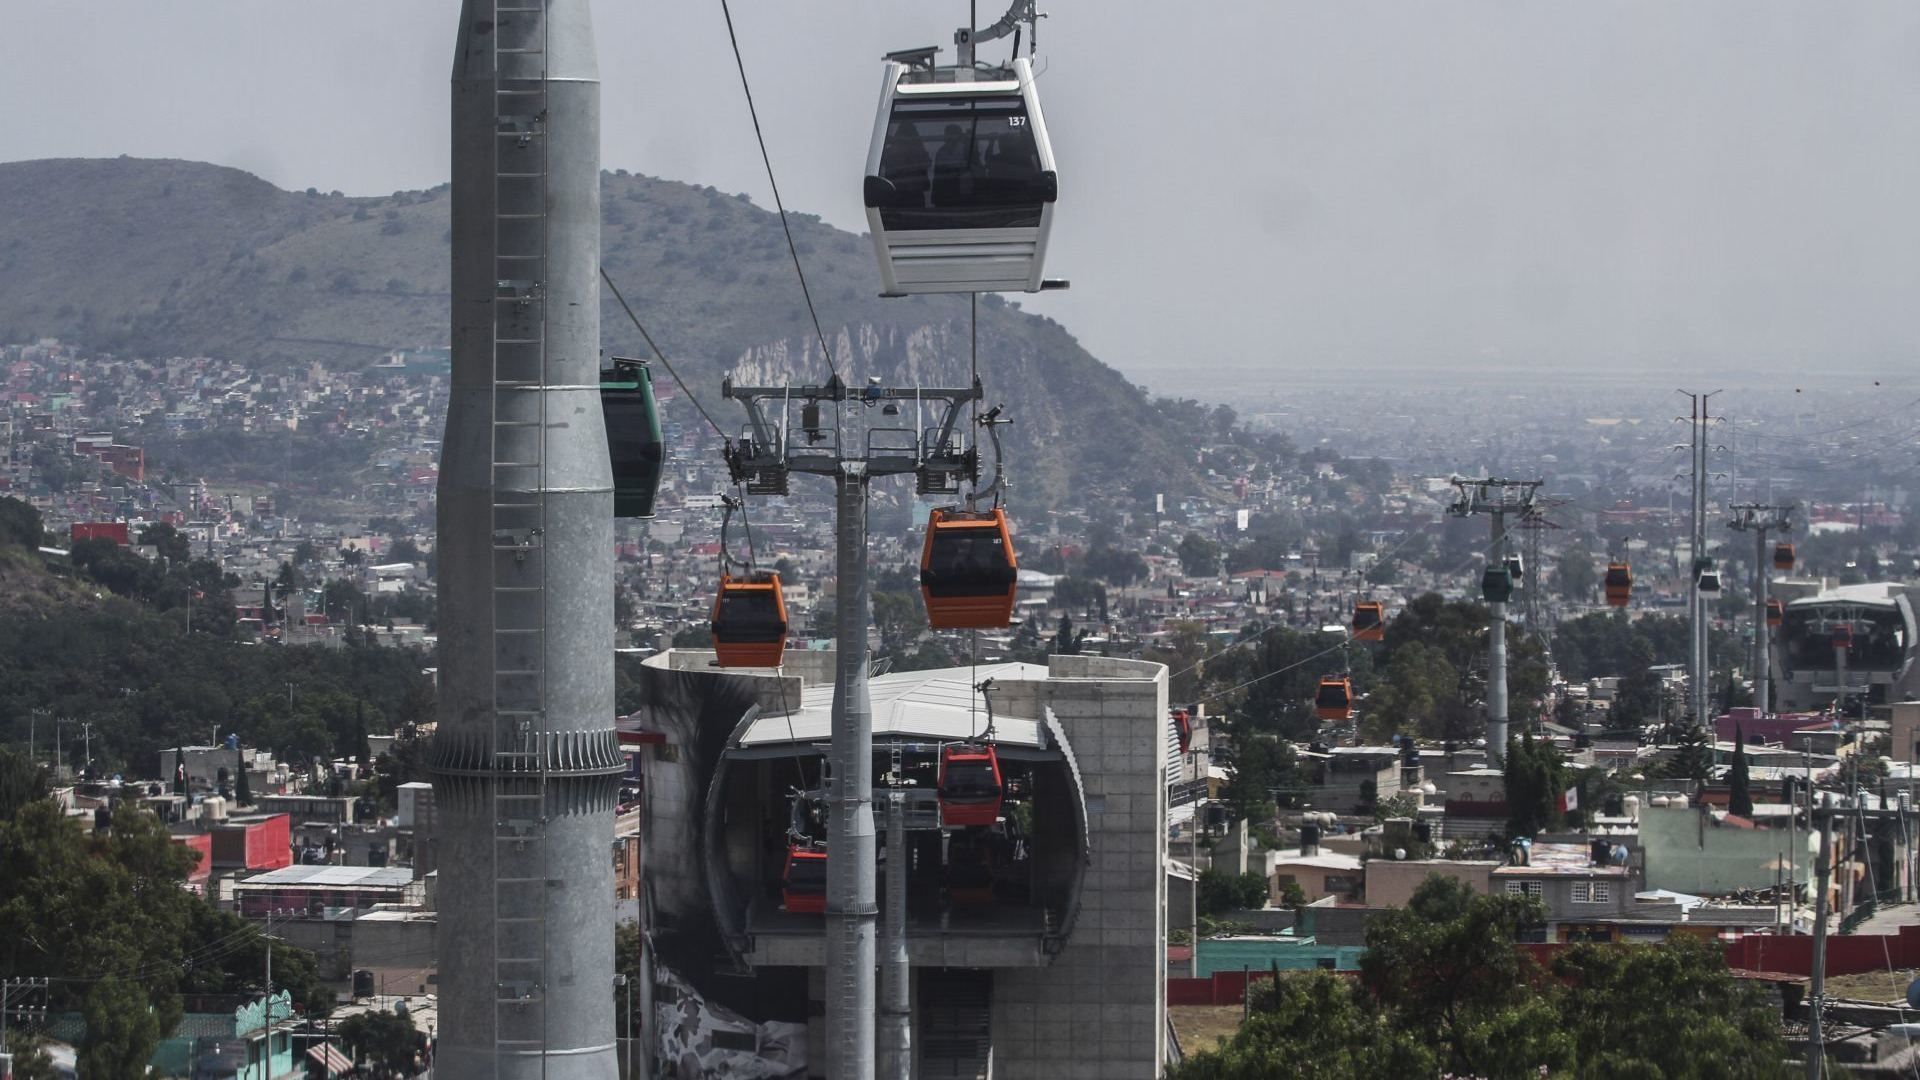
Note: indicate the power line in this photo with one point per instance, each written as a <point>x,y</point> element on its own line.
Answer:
<point>779,205</point>
<point>661,356</point>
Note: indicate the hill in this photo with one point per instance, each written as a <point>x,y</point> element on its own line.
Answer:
<point>159,257</point>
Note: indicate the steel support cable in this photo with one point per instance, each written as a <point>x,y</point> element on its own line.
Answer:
<point>1219,695</point>
<point>661,356</point>
<point>1404,541</point>
<point>1849,426</point>
<point>778,203</point>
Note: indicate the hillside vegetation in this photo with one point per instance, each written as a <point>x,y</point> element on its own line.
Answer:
<point>158,257</point>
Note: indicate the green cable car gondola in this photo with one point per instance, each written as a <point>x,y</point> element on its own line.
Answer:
<point>633,436</point>
<point>1496,585</point>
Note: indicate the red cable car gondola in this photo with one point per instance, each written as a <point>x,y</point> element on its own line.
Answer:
<point>970,784</point>
<point>803,883</point>
<point>750,620</point>
<point>968,570</point>
<point>1619,584</point>
<point>1333,700</point>
<point>1843,636</point>
<point>1776,612</point>
<point>1369,621</point>
<point>1783,555</point>
<point>1183,728</point>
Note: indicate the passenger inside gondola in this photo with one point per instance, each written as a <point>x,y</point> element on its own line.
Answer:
<point>904,163</point>
<point>960,165</point>
<point>968,565</point>
<point>970,781</point>
<point>749,617</point>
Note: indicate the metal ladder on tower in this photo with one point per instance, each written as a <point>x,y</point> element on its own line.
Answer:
<point>517,462</point>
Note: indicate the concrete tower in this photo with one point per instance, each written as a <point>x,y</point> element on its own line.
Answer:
<point>525,757</point>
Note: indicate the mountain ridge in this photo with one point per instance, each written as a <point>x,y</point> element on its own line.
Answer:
<point>171,257</point>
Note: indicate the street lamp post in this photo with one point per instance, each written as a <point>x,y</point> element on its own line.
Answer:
<point>621,982</point>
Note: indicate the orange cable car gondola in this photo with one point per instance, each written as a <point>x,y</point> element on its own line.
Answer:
<point>1369,621</point>
<point>750,620</point>
<point>1333,700</point>
<point>968,570</point>
<point>1776,612</point>
<point>1619,584</point>
<point>970,784</point>
<point>1783,555</point>
<point>803,882</point>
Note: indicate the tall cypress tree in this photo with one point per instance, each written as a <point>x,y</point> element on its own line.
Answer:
<point>242,790</point>
<point>1740,800</point>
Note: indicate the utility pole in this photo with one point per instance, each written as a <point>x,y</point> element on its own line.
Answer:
<point>1816,1050</point>
<point>896,1019</point>
<point>25,998</point>
<point>1496,498</point>
<point>853,454</point>
<point>1760,519</point>
<point>1698,669</point>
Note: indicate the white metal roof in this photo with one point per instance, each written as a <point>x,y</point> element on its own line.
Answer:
<point>939,704</point>
<point>338,877</point>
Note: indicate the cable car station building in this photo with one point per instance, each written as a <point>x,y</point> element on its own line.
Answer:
<point>1034,938</point>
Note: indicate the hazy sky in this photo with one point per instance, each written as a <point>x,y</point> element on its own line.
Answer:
<point>1519,184</point>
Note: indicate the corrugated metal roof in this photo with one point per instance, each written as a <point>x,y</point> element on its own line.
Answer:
<point>366,877</point>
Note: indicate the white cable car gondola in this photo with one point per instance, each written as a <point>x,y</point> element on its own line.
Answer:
<point>960,181</point>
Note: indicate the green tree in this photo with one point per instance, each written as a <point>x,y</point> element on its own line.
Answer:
<point>1065,641</point>
<point>1740,796</point>
<point>1199,556</point>
<point>1221,892</point>
<point>21,781</point>
<point>122,1031</point>
<point>1113,565</point>
<point>1084,595</point>
<point>1574,576</point>
<point>1693,755</point>
<point>19,523</point>
<point>1446,964</point>
<point>1314,1026</point>
<point>1536,776</point>
<point>172,544</point>
<point>901,617</point>
<point>1261,766</point>
<point>386,1040</point>
<point>242,788</point>
<point>1699,1024</point>
<point>1412,691</point>
<point>404,550</point>
<point>1279,676</point>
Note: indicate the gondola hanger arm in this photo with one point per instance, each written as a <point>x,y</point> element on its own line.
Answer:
<point>1021,11</point>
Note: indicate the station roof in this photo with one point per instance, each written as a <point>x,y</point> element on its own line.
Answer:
<point>938,704</point>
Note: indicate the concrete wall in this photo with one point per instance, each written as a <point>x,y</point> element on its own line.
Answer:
<point>1315,881</point>
<point>1905,738</point>
<point>1688,855</point>
<point>1099,1012</point>
<point>1391,883</point>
